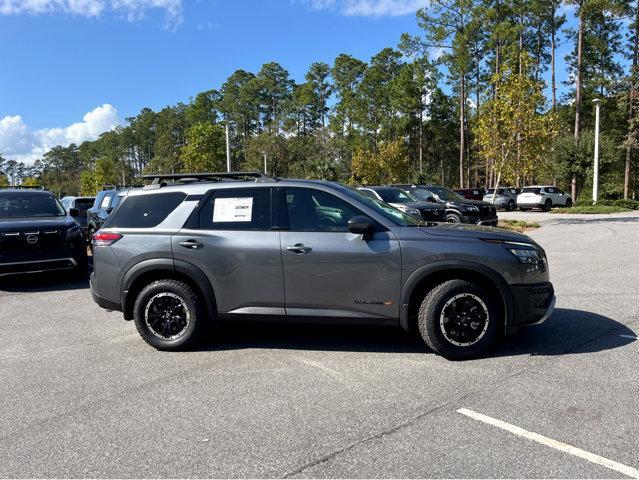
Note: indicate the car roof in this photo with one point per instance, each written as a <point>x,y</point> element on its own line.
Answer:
<point>201,187</point>
<point>35,191</point>
<point>380,188</point>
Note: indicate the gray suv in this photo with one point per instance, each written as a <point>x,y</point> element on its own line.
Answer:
<point>192,249</point>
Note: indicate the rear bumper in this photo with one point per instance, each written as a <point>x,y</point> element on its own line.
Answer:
<point>533,303</point>
<point>529,205</point>
<point>101,301</point>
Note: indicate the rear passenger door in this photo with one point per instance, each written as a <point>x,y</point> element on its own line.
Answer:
<point>330,273</point>
<point>231,239</point>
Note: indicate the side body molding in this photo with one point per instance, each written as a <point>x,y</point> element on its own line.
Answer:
<point>464,265</point>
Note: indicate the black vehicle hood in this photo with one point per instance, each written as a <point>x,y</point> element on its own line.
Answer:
<point>424,205</point>
<point>476,231</point>
<point>20,224</point>
<point>465,202</point>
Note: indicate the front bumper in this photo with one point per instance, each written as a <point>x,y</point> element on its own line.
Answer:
<point>478,220</point>
<point>37,266</point>
<point>533,303</point>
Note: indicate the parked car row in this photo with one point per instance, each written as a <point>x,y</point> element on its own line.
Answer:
<point>543,197</point>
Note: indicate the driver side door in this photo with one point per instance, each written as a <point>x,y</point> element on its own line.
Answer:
<point>330,273</point>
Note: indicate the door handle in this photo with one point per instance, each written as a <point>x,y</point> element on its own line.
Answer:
<point>192,244</point>
<point>299,248</point>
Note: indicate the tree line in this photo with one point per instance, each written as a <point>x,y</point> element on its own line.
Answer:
<point>471,100</point>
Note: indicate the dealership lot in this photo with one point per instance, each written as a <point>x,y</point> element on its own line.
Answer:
<point>84,396</point>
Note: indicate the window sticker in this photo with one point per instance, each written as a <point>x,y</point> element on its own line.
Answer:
<point>233,209</point>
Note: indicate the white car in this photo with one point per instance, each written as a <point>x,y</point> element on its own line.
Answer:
<point>544,197</point>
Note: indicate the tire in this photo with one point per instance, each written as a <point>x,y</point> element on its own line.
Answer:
<point>453,218</point>
<point>568,203</point>
<point>183,330</point>
<point>81,271</point>
<point>547,205</point>
<point>438,331</point>
<point>511,206</point>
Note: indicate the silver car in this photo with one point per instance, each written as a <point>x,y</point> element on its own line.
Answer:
<point>506,197</point>
<point>192,249</point>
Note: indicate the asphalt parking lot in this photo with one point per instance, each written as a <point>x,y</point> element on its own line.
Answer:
<point>84,396</point>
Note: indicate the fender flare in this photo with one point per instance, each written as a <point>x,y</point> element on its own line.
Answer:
<point>453,264</point>
<point>185,268</point>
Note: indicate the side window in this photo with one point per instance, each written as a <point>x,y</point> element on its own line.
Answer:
<point>316,211</point>
<point>115,200</point>
<point>369,194</point>
<point>106,200</point>
<point>237,209</point>
<point>145,211</point>
<point>98,200</point>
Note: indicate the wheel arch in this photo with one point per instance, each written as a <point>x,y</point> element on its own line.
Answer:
<point>156,269</point>
<point>425,278</point>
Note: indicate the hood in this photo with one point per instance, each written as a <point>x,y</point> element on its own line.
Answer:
<point>29,223</point>
<point>424,205</point>
<point>476,231</point>
<point>466,201</point>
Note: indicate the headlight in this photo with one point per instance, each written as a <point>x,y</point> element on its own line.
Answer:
<point>527,255</point>
<point>471,208</point>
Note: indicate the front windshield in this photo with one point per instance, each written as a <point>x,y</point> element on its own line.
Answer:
<point>395,195</point>
<point>28,204</point>
<point>422,194</point>
<point>391,213</point>
<point>445,194</point>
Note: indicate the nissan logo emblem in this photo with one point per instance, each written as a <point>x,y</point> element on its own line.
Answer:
<point>32,239</point>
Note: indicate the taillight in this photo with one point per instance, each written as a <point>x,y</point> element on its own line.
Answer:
<point>105,239</point>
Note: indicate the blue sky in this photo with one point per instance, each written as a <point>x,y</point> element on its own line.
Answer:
<point>71,69</point>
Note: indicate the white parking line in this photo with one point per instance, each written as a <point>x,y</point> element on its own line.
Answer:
<point>549,442</point>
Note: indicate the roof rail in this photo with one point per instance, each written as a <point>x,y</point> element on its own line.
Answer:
<point>22,187</point>
<point>113,187</point>
<point>159,178</point>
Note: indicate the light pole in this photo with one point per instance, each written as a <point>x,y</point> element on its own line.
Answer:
<point>264,153</point>
<point>595,172</point>
<point>228,148</point>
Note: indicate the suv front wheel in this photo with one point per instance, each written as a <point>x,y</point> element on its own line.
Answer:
<point>458,320</point>
<point>167,315</point>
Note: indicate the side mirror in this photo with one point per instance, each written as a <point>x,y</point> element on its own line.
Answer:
<point>431,200</point>
<point>74,212</point>
<point>361,225</point>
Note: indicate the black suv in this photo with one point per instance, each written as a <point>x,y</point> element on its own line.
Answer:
<point>175,256</point>
<point>458,208</point>
<point>105,202</point>
<point>37,234</point>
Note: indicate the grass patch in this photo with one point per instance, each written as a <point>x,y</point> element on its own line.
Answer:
<point>592,209</point>
<point>517,225</point>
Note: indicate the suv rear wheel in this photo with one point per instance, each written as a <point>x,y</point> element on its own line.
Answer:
<point>458,320</point>
<point>168,316</point>
<point>547,205</point>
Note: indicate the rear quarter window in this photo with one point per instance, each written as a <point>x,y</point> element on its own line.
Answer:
<point>145,211</point>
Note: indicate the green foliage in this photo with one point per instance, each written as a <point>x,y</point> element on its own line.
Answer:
<point>205,149</point>
<point>390,117</point>
<point>621,202</point>
<point>3,181</point>
<point>591,209</point>
<point>388,165</point>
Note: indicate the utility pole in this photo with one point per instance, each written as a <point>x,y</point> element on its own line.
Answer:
<point>595,172</point>
<point>228,148</point>
<point>264,153</point>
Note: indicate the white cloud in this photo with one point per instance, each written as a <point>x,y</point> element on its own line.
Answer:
<point>19,142</point>
<point>370,8</point>
<point>133,9</point>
